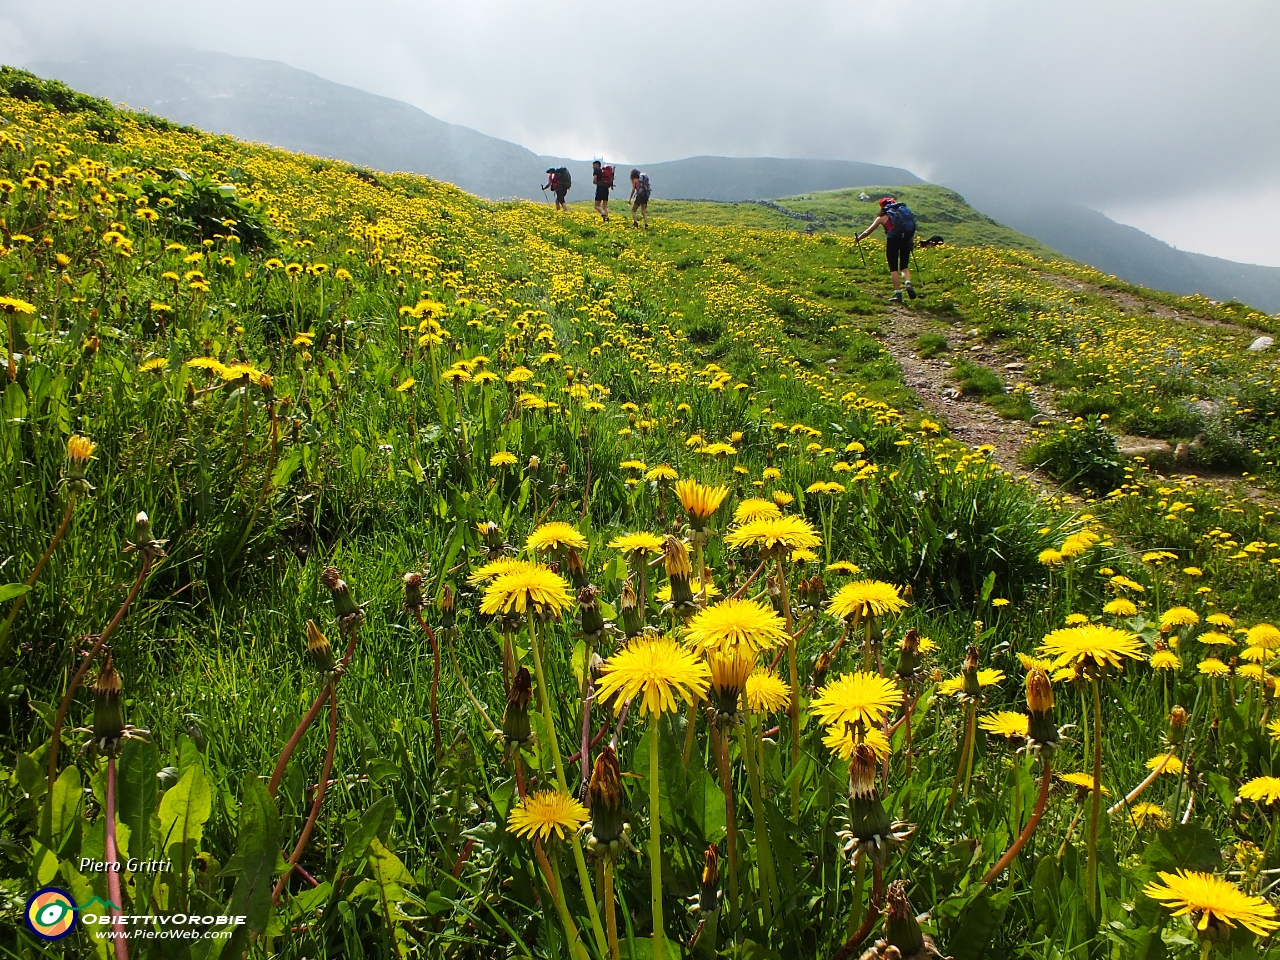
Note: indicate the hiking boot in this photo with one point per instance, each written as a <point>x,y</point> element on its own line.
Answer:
<point>897,297</point>
<point>911,291</point>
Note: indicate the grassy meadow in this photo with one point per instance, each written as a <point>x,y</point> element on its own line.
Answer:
<point>428,577</point>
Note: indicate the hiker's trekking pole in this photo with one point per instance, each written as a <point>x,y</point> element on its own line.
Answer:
<point>858,242</point>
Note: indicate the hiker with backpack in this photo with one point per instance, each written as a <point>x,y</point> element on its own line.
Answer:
<point>602,177</point>
<point>559,181</point>
<point>639,198</point>
<point>899,239</point>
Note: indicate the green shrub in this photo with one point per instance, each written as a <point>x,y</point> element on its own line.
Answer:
<point>1081,455</point>
<point>929,345</point>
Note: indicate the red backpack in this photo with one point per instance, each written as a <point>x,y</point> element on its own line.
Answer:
<point>606,175</point>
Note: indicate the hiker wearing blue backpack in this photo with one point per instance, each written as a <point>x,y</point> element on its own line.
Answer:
<point>899,239</point>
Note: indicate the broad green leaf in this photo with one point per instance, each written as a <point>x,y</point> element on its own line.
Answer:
<point>82,892</point>
<point>254,862</point>
<point>137,788</point>
<point>1184,846</point>
<point>11,591</point>
<point>360,833</point>
<point>60,818</point>
<point>704,803</point>
<point>183,811</point>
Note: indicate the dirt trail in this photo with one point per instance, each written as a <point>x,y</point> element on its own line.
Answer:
<point>970,421</point>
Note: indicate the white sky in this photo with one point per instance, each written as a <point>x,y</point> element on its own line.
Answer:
<point>1153,111</point>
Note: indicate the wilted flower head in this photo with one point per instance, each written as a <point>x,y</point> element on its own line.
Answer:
<point>319,649</point>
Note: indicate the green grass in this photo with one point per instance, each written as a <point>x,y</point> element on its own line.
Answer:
<point>930,345</point>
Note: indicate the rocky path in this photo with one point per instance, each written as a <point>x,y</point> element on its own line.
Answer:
<point>971,422</point>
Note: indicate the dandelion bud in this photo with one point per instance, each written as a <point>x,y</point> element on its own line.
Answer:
<point>969,673</point>
<point>584,439</point>
<point>709,895</point>
<point>492,534</point>
<point>413,601</point>
<point>632,613</point>
<point>318,648</point>
<point>144,540</point>
<point>590,617</point>
<point>448,615</point>
<point>108,712</point>
<point>191,400</point>
<point>574,567</point>
<point>534,464</point>
<point>867,816</point>
<point>605,798</point>
<point>515,719</point>
<point>901,929</point>
<point>679,570</point>
<point>343,603</point>
<point>909,654</point>
<point>1177,726</point>
<point>1040,729</point>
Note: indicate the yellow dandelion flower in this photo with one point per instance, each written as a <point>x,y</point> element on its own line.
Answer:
<point>531,588</point>
<point>699,501</point>
<point>782,498</point>
<point>503,458</point>
<point>842,741</point>
<point>1172,765</point>
<point>769,693</point>
<point>1121,607</point>
<point>541,814</point>
<point>1096,644</point>
<point>866,598</point>
<point>1213,667</point>
<point>771,535</point>
<point>662,472</point>
<point>1165,660</point>
<point>1149,815</point>
<point>844,566</point>
<point>1178,617</point>
<point>658,670</point>
<point>636,545</point>
<point>1264,635</point>
<point>1005,723</point>
<point>496,568</point>
<point>695,587</point>
<point>755,508</point>
<point>736,623</point>
<point>1081,780</point>
<point>1214,638</point>
<point>1212,901</point>
<point>1262,790</point>
<point>865,698</point>
<point>406,385</point>
<point>987,677</point>
<point>556,535</point>
<point>1221,620</point>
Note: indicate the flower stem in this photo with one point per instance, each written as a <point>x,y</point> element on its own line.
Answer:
<point>655,844</point>
<point>1136,792</point>
<point>113,863</point>
<point>1095,811</point>
<point>435,680</point>
<point>321,787</point>
<point>793,709</point>
<point>1028,830</point>
<point>56,739</point>
<point>544,701</point>
<point>731,825</point>
<point>764,850</point>
<point>611,913</point>
<point>35,573</point>
<point>551,874</point>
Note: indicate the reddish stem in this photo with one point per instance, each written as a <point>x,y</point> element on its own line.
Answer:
<point>35,574</point>
<point>1027,831</point>
<point>595,742</point>
<point>463,856</point>
<point>851,946</point>
<point>435,679</point>
<point>113,865</point>
<point>737,595</point>
<point>56,740</point>
<point>315,804</point>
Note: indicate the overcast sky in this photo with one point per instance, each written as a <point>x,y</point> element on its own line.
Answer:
<point>1165,115</point>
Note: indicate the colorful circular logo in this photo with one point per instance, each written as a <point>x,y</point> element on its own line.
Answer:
<point>51,913</point>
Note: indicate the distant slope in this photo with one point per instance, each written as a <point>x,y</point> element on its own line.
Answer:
<point>1137,257</point>
<point>938,211</point>
<point>274,103</point>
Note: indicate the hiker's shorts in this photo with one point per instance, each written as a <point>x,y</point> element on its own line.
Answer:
<point>898,250</point>
<point>602,192</point>
<point>560,195</point>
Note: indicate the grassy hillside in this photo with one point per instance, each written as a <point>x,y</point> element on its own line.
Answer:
<point>340,396</point>
<point>939,211</point>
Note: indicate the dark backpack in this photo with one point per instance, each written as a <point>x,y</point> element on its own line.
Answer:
<point>563,180</point>
<point>902,221</point>
<point>606,176</point>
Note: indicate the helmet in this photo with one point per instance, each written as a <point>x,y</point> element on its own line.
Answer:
<point>885,201</point>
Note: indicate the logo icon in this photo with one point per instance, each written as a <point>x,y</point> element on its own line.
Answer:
<point>51,913</point>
